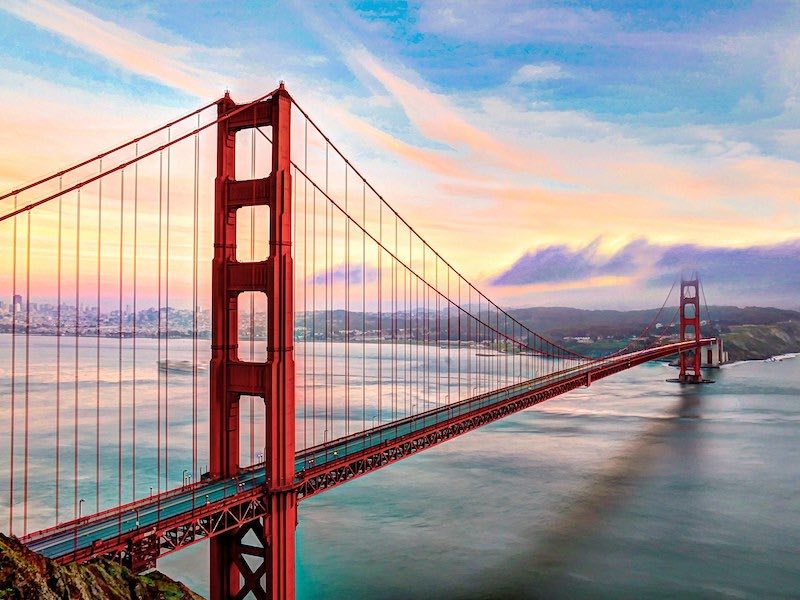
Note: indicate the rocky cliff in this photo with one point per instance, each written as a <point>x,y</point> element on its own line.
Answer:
<point>27,575</point>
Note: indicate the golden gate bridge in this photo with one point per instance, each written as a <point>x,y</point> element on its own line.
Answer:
<point>337,342</point>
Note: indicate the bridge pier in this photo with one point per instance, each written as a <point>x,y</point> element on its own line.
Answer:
<point>280,556</point>
<point>271,540</point>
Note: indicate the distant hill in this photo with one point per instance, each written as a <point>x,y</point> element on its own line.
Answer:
<point>557,323</point>
<point>749,333</point>
<point>757,342</point>
<point>562,321</point>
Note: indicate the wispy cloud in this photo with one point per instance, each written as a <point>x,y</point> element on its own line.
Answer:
<point>488,20</point>
<point>165,63</point>
<point>538,72</point>
<point>438,119</point>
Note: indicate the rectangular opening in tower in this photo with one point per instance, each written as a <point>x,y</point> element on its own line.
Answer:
<point>252,233</point>
<point>253,153</point>
<point>252,432</point>
<point>252,330</point>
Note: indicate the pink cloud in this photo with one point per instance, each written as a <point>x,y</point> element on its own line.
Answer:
<point>155,60</point>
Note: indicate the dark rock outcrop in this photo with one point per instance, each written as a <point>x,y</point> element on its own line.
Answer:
<point>25,575</point>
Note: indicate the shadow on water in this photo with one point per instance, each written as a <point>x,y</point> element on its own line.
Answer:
<point>534,572</point>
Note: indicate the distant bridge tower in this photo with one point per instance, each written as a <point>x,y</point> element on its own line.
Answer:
<point>690,329</point>
<point>231,576</point>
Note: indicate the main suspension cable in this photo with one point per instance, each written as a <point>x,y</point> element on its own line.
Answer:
<point>102,155</point>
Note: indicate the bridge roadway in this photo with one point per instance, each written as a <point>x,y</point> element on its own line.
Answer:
<point>77,537</point>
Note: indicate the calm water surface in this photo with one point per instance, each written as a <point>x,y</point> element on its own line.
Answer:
<point>632,488</point>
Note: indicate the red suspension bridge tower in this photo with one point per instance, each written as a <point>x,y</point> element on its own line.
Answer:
<point>690,360</point>
<point>231,378</point>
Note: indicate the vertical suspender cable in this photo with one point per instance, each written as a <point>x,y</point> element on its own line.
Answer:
<point>380,313</point>
<point>305,285</point>
<point>119,366</point>
<point>327,294</point>
<point>458,392</point>
<point>346,308</point>
<point>478,359</point>
<point>158,326</point>
<point>413,295</point>
<point>58,357</point>
<point>13,374</point>
<point>449,343</point>
<point>425,326</point>
<point>27,373</point>
<point>75,444</point>
<point>505,348</point>
<point>166,323</point>
<point>133,325</point>
<point>497,346</point>
<point>328,307</point>
<point>419,299</point>
<point>406,317</point>
<point>195,231</point>
<point>313,317</point>
<point>97,347</point>
<point>364,308</point>
<point>469,337</point>
<point>395,294</point>
<point>438,328</point>
<point>252,295</point>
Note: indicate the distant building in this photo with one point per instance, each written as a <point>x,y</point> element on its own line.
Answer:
<point>16,302</point>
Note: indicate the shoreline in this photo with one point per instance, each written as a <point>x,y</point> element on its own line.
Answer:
<point>775,358</point>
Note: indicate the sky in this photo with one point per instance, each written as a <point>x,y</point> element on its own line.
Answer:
<point>556,153</point>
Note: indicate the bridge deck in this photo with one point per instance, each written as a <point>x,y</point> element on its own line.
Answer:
<point>110,531</point>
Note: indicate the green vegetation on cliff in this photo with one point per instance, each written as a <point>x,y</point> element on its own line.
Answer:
<point>26,575</point>
<point>754,342</point>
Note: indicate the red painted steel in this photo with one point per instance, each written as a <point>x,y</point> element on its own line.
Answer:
<point>140,549</point>
<point>690,318</point>
<point>231,377</point>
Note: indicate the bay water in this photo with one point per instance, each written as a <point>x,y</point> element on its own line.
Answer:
<point>631,488</point>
